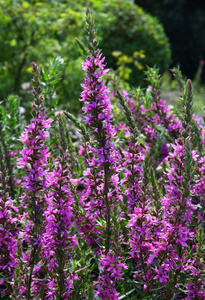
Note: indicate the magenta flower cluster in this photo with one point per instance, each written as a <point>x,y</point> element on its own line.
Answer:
<point>110,273</point>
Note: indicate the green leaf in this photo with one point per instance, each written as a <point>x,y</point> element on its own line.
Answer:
<point>120,134</point>
<point>13,43</point>
<point>127,294</point>
<point>42,291</point>
<point>53,82</point>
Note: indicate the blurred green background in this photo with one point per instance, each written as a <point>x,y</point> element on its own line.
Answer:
<point>39,30</point>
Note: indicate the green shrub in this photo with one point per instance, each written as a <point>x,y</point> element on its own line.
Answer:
<point>39,30</point>
<point>132,30</point>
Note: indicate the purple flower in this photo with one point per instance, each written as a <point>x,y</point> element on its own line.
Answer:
<point>34,161</point>
<point>110,272</point>
<point>8,242</point>
<point>163,153</point>
<point>161,276</point>
<point>58,240</point>
<point>100,154</point>
<point>97,107</point>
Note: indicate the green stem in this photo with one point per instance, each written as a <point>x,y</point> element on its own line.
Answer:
<point>8,166</point>
<point>31,272</point>
<point>106,190</point>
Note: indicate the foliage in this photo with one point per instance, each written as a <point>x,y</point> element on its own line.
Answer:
<point>132,30</point>
<point>123,62</point>
<point>171,89</point>
<point>39,30</point>
<point>117,214</point>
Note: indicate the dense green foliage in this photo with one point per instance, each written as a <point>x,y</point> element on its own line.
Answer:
<point>39,30</point>
<point>131,29</point>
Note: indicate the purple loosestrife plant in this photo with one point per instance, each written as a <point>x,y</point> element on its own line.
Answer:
<point>152,231</point>
<point>132,160</point>
<point>8,229</point>
<point>34,162</point>
<point>119,214</point>
<point>100,152</point>
<point>101,157</point>
<point>58,237</point>
<point>8,244</point>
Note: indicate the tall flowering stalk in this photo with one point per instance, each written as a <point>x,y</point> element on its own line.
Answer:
<point>132,161</point>
<point>8,229</point>
<point>34,162</point>
<point>97,115</point>
<point>58,237</point>
<point>101,159</point>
